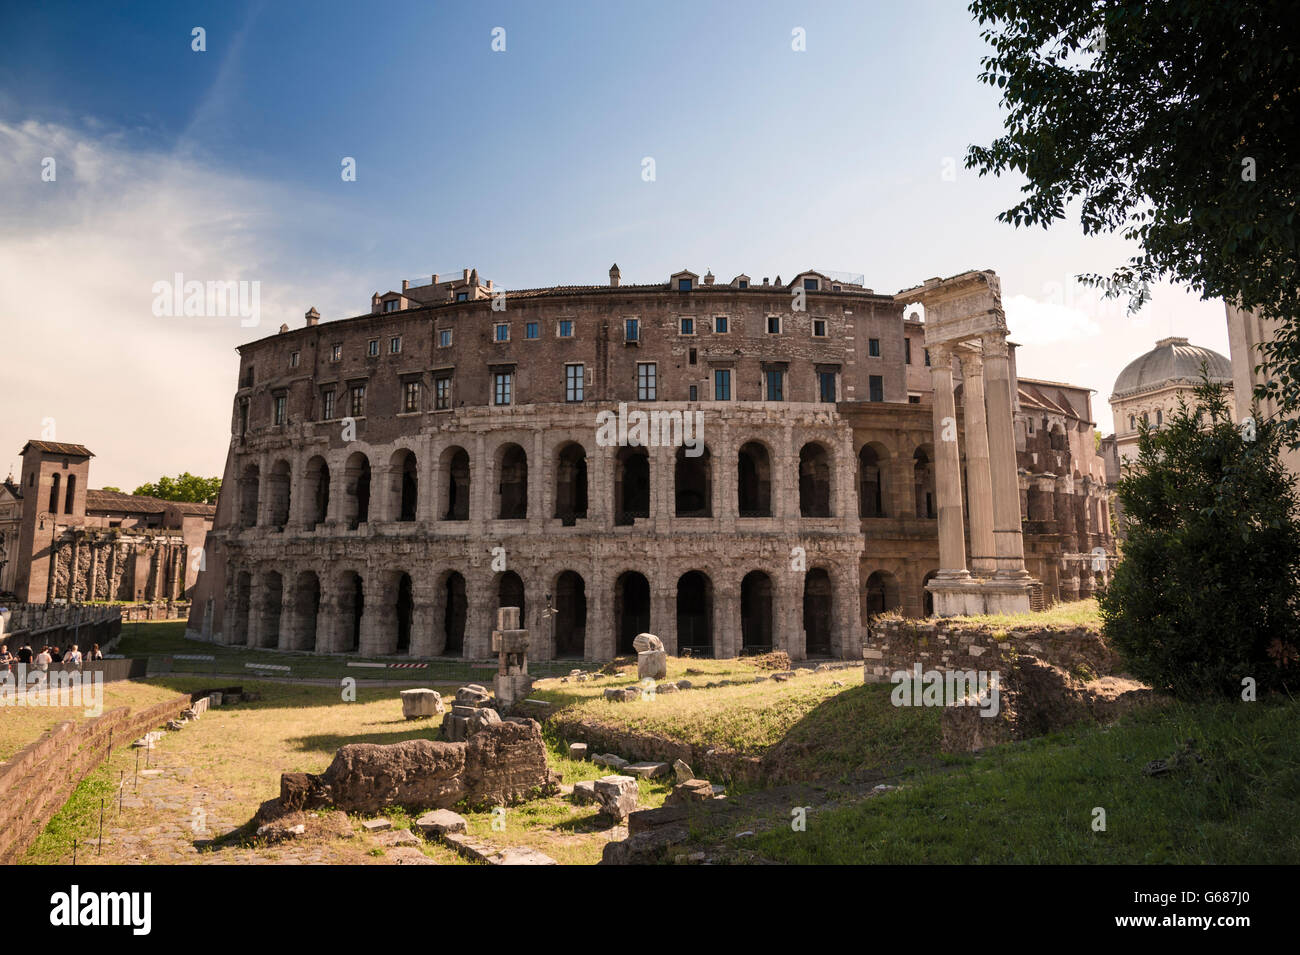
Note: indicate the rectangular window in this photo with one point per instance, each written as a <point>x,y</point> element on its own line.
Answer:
<point>873,347</point>
<point>720,325</point>
<point>394,344</point>
<point>819,327</point>
<point>501,332</point>
<point>462,296</point>
<point>632,330</point>
<point>688,326</point>
<point>722,384</point>
<point>336,352</point>
<point>358,400</point>
<point>565,329</point>
<point>280,402</point>
<point>531,330</point>
<point>695,393</point>
<point>372,347</point>
<point>742,284</point>
<point>907,351</point>
<point>293,360</point>
<point>774,385</point>
<point>327,405</point>
<point>774,324</point>
<point>913,399</point>
<point>392,305</point>
<point>573,382</point>
<point>810,285</point>
<point>647,381</point>
<point>411,396</point>
<point>692,356</point>
<point>927,358</point>
<point>501,389</point>
<point>826,385</point>
<point>441,394</point>
<point>444,338</point>
<point>877,385</point>
<point>683,285</point>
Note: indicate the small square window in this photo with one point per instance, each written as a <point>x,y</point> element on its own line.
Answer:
<point>742,284</point>
<point>566,328</point>
<point>462,296</point>
<point>293,359</point>
<point>873,347</point>
<point>913,399</point>
<point>444,338</point>
<point>688,326</point>
<point>720,325</point>
<point>336,352</point>
<point>683,285</point>
<point>819,327</point>
<point>501,333</point>
<point>532,330</point>
<point>774,324</point>
<point>372,347</point>
<point>810,285</point>
<point>395,345</point>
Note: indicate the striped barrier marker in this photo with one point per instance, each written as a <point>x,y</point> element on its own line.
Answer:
<point>267,666</point>
<point>191,656</point>
<point>372,665</point>
<point>407,666</point>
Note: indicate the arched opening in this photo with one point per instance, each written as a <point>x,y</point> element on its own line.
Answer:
<point>455,608</point>
<point>927,598</point>
<point>248,488</point>
<point>693,484</point>
<point>510,593</point>
<point>306,604</point>
<point>571,484</point>
<point>405,613</point>
<point>882,593</point>
<point>756,613</point>
<point>871,481</point>
<point>352,605</point>
<point>272,605</point>
<point>814,481</point>
<point>631,485</point>
<point>356,482</point>
<point>54,495</point>
<point>318,491</point>
<point>278,489</point>
<point>407,481</point>
<point>242,608</point>
<point>694,615</point>
<point>1056,438</point>
<point>817,611</point>
<point>631,608</point>
<point>753,481</point>
<point>512,489</point>
<point>456,461</point>
<point>923,481</point>
<point>69,499</point>
<point>570,615</point>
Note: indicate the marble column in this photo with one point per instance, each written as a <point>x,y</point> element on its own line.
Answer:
<point>983,561</point>
<point>1007,532</point>
<point>947,467</point>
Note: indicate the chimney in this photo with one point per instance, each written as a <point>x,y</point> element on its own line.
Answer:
<point>489,285</point>
<point>614,275</point>
<point>765,280</point>
<point>465,275</point>
<point>312,316</point>
<point>406,283</point>
<point>283,329</point>
<point>435,278</point>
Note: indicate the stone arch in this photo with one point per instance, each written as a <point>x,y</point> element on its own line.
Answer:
<point>814,480</point>
<point>571,483</point>
<point>818,611</point>
<point>510,593</point>
<point>69,498</point>
<point>278,484</point>
<point>54,495</point>
<point>695,614</point>
<point>756,613</point>
<point>268,631</point>
<point>631,485</point>
<point>512,482</point>
<point>631,609</point>
<point>356,490</point>
<point>306,606</point>
<point>883,594</point>
<point>317,488</point>
<point>404,612</point>
<point>693,484</point>
<point>570,620</point>
<point>874,460</point>
<point>405,480</point>
<point>249,485</point>
<point>923,481</point>
<point>754,480</point>
<point>455,613</point>
<point>454,464</point>
<point>351,608</point>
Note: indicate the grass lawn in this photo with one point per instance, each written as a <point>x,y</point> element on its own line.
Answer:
<point>1033,802</point>
<point>20,725</point>
<point>1076,613</point>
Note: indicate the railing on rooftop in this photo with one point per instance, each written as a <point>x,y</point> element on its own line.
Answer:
<point>848,278</point>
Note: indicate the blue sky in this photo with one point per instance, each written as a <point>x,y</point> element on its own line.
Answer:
<point>525,164</point>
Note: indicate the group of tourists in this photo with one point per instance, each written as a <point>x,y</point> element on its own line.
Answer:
<point>48,656</point>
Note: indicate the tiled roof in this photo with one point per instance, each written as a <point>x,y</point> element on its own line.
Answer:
<point>57,447</point>
<point>117,501</point>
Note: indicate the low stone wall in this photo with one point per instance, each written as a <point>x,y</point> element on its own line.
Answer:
<point>900,644</point>
<point>61,625</point>
<point>38,780</point>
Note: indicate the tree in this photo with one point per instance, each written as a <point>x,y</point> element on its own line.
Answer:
<point>183,487</point>
<point>1173,123</point>
<point>1206,594</point>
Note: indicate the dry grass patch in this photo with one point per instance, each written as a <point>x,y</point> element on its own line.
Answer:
<point>21,725</point>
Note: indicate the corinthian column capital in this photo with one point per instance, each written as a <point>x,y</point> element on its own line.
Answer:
<point>995,345</point>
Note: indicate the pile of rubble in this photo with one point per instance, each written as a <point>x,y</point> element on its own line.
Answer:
<point>471,712</point>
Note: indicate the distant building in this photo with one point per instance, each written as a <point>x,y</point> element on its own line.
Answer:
<point>1246,332</point>
<point>62,540</point>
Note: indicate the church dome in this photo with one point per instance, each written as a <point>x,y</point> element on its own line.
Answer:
<point>1172,361</point>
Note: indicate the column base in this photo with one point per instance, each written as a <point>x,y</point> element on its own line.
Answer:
<point>956,597</point>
